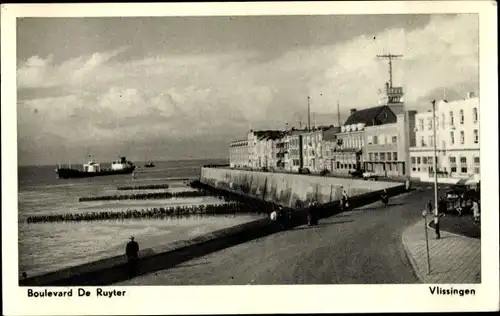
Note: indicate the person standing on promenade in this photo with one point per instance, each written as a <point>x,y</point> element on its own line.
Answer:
<point>441,207</point>
<point>132,252</point>
<point>475,211</point>
<point>429,207</point>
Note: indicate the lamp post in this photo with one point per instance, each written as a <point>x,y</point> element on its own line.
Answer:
<point>436,214</point>
<point>424,215</point>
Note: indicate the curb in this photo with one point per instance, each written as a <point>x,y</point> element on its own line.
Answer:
<point>404,237</point>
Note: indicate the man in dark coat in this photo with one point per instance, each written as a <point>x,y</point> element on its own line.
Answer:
<point>132,252</point>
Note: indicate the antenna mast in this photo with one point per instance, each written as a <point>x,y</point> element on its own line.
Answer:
<point>338,112</point>
<point>390,57</point>
<point>308,113</point>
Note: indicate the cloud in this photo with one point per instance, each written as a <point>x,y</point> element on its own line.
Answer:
<point>102,99</point>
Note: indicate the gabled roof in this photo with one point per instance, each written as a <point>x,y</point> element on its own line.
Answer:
<point>366,116</point>
<point>268,134</point>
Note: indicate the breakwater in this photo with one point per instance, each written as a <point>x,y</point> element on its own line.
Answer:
<point>144,187</point>
<point>152,213</point>
<point>145,196</point>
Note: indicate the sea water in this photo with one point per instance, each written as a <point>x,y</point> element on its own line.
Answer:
<point>45,247</point>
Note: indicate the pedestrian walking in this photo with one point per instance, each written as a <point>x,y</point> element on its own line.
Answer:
<point>475,211</point>
<point>429,207</point>
<point>132,252</point>
<point>407,185</point>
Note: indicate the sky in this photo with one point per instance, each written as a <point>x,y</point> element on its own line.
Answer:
<point>161,88</point>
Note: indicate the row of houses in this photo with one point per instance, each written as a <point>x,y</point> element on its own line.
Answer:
<point>386,140</point>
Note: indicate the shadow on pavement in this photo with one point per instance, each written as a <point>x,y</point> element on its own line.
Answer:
<point>322,225</point>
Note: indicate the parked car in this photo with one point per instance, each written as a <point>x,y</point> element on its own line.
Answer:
<point>304,171</point>
<point>356,173</point>
<point>369,176</point>
<point>461,191</point>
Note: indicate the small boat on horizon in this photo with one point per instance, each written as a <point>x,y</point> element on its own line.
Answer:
<point>92,169</point>
<point>149,165</point>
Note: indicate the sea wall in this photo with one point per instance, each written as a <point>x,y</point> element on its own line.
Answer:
<point>288,189</point>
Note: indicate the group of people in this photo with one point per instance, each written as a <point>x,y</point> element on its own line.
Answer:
<point>312,208</point>
<point>145,196</point>
<point>206,209</point>
<point>442,208</point>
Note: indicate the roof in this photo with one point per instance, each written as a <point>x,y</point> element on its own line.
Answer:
<point>365,116</point>
<point>269,134</point>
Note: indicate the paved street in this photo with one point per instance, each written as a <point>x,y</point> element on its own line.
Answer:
<point>363,246</point>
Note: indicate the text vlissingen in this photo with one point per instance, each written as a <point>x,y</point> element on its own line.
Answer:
<point>80,292</point>
<point>436,290</point>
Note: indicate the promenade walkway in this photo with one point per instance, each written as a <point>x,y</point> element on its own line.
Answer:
<point>454,259</point>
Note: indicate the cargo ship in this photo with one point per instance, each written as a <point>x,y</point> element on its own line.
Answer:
<point>92,169</point>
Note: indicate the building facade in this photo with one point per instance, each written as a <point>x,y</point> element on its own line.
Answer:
<point>348,155</point>
<point>386,150</point>
<point>263,149</point>
<point>238,154</point>
<point>294,159</point>
<point>457,141</point>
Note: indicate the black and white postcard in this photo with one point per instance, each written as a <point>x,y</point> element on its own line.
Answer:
<point>267,157</point>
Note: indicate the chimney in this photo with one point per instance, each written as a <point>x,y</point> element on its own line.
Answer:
<point>353,111</point>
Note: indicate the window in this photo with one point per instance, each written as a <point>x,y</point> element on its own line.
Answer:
<point>474,115</point>
<point>429,123</point>
<point>412,161</point>
<point>370,140</point>
<point>463,169</point>
<point>452,136</point>
<point>382,156</point>
<point>394,139</point>
<point>431,143</point>
<point>382,139</point>
<point>389,156</point>
<point>370,156</point>
<point>453,160</point>
<point>463,160</point>
<point>418,160</point>
<point>462,118</point>
<point>375,140</point>
<point>453,169</point>
<point>395,156</point>
<point>462,137</point>
<point>452,122</point>
<point>420,124</point>
<point>476,160</point>
<point>476,136</point>
<point>422,141</point>
<point>476,170</point>
<point>376,156</point>
<point>424,160</point>
<point>442,120</point>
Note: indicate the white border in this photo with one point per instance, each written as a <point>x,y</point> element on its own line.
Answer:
<point>257,299</point>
